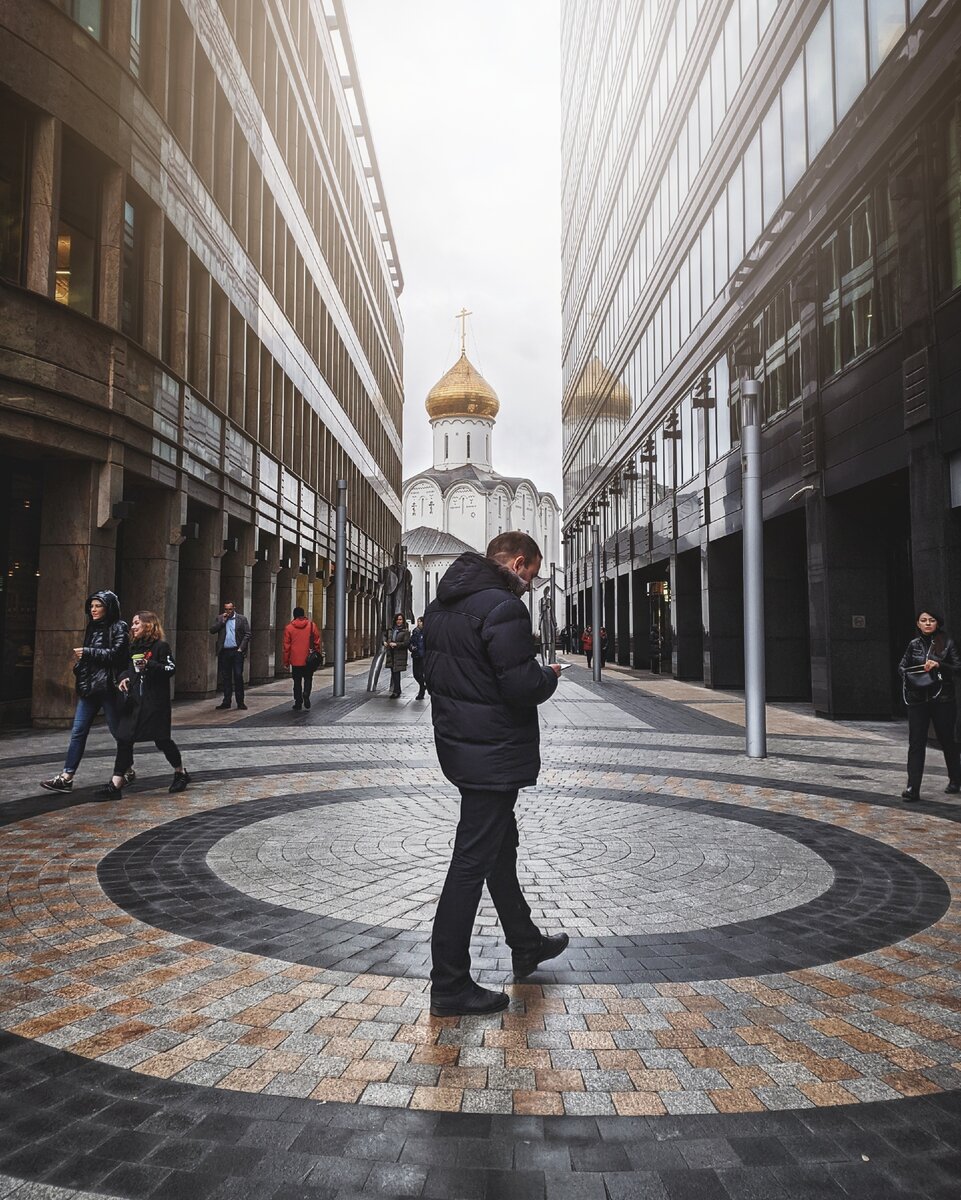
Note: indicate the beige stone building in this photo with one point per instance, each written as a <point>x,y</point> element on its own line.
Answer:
<point>199,329</point>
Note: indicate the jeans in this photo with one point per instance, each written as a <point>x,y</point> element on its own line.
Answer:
<point>87,709</point>
<point>124,760</point>
<point>232,670</point>
<point>303,681</point>
<point>943,715</point>
<point>485,850</point>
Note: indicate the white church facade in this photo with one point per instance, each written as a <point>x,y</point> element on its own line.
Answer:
<point>461,502</point>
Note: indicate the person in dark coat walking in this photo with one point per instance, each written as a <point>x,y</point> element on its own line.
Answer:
<point>485,685</point>
<point>97,663</point>
<point>417,656</point>
<point>602,639</point>
<point>146,684</point>
<point>233,641</point>
<point>933,657</point>
<point>397,642</point>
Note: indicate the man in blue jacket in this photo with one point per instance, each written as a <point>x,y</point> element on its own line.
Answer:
<point>485,685</point>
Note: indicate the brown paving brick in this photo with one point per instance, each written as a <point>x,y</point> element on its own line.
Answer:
<point>163,1066</point>
<point>420,1035</point>
<point>585,1039</point>
<point>37,1026</point>
<point>618,1060</point>
<point>280,1060</point>
<point>910,1083</point>
<point>638,1104</point>
<point>677,1039</point>
<point>701,1003</point>
<point>527,1058</point>
<point>688,1020</point>
<point>463,1077</point>
<point>831,1070</point>
<point>436,1055</point>
<point>127,1008</point>
<point>538,1104</point>
<point>298,971</point>
<point>654,1080</point>
<point>347,1091</point>
<point>505,1039</point>
<point>332,1026</point>
<point>708,1056</point>
<point>110,1039</point>
<point>732,1100</point>
<point>437,1099</point>
<point>358,1012</point>
<point>908,1060</point>
<point>824,1094</point>
<point>188,1023</point>
<point>522,1022</point>
<point>342,1047</point>
<point>268,1038</point>
<point>605,1021</point>
<point>369,1069</point>
<point>548,1080</point>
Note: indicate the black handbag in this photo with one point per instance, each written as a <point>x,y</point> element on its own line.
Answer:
<point>926,683</point>
<point>314,661</point>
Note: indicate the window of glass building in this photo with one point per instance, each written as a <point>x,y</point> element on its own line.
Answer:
<point>947,201</point>
<point>886,19</point>
<point>77,228</point>
<point>793,139</point>
<point>132,290</point>
<point>13,155</point>
<point>829,282</point>
<point>87,13</point>
<point>819,76</point>
<point>773,179</point>
<point>135,44</point>
<point>856,245</point>
<point>887,286</point>
<point>850,66</point>
<point>753,213</point>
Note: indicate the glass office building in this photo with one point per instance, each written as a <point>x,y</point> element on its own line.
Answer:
<point>199,329</point>
<point>766,190</point>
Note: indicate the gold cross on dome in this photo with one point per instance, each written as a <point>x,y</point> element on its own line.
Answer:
<point>462,317</point>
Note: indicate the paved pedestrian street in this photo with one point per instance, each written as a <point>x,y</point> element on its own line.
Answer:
<point>224,993</point>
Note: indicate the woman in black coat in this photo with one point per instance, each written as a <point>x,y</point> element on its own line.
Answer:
<point>146,683</point>
<point>931,660</point>
<point>397,642</point>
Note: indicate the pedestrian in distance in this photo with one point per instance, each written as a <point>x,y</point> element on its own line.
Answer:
<point>929,668</point>
<point>233,641</point>
<point>602,640</point>
<point>654,649</point>
<point>302,656</point>
<point>485,684</point>
<point>587,645</point>
<point>145,685</point>
<point>96,667</point>
<point>417,656</point>
<point>397,642</point>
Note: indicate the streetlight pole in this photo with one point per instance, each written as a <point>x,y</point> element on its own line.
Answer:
<point>552,650</point>
<point>755,730</point>
<point>596,603</point>
<point>340,594</point>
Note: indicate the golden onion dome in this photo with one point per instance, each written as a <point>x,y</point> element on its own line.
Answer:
<point>462,392</point>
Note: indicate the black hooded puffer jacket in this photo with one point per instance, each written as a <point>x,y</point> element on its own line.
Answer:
<point>484,681</point>
<point>106,648</point>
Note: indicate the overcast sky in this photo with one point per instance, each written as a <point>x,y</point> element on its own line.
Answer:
<point>462,97</point>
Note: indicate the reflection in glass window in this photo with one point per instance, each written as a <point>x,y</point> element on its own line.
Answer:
<point>771,159</point>
<point>132,295</point>
<point>947,201</point>
<point>87,14</point>
<point>732,54</point>
<point>885,26</point>
<point>752,192</point>
<point>829,281</point>
<point>135,38</point>
<point>888,299</point>
<point>820,85</point>
<point>792,124</point>
<point>13,148</point>
<point>856,245</point>
<point>77,228</point>
<point>851,65</point>
<point>735,211</point>
<point>721,271</point>
<point>748,30</point>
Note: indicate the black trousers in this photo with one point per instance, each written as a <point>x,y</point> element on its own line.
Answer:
<point>124,760</point>
<point>942,714</point>
<point>303,682</point>
<point>395,681</point>
<point>232,670</point>
<point>589,655</point>
<point>418,667</point>
<point>485,850</point>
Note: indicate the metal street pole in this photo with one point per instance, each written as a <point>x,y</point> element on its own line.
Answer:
<point>755,731</point>
<point>552,652</point>
<point>340,594</point>
<point>596,603</point>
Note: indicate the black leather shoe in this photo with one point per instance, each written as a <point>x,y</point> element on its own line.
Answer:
<point>912,795</point>
<point>306,702</point>
<point>180,781</point>
<point>110,791</point>
<point>952,789</point>
<point>550,947</point>
<point>223,706</point>
<point>296,707</point>
<point>243,706</point>
<point>478,1002</point>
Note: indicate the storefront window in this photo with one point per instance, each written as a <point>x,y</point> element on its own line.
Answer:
<point>947,201</point>
<point>13,148</point>
<point>77,230</point>
<point>20,494</point>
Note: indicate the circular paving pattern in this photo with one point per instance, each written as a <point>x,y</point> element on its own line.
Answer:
<point>594,867</point>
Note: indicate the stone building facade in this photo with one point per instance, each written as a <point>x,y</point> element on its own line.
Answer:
<point>199,329</point>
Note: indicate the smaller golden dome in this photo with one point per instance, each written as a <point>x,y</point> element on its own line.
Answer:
<point>462,392</point>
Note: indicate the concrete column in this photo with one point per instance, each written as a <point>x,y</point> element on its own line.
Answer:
<point>151,555</point>
<point>286,600</point>
<point>153,280</point>
<point>154,43</point>
<point>111,247</point>
<point>77,557</point>
<point>44,202</point>
<point>236,569</point>
<point>263,610</point>
<point>179,304</point>
<point>198,601</point>
<point>327,629</point>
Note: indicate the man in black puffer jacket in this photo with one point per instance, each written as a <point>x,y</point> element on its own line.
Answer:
<point>485,685</point>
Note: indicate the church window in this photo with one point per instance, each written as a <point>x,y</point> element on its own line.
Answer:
<point>446,446</point>
<point>468,447</point>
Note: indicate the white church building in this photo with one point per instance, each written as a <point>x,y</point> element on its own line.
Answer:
<point>461,502</point>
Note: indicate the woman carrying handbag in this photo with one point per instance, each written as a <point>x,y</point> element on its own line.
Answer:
<point>146,686</point>
<point>928,669</point>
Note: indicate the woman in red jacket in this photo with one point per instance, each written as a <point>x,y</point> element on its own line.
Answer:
<point>301,637</point>
<point>587,644</point>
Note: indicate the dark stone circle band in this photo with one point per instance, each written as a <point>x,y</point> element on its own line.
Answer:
<point>878,896</point>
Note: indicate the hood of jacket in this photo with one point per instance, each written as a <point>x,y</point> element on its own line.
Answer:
<point>300,622</point>
<point>473,572</point>
<point>110,603</point>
